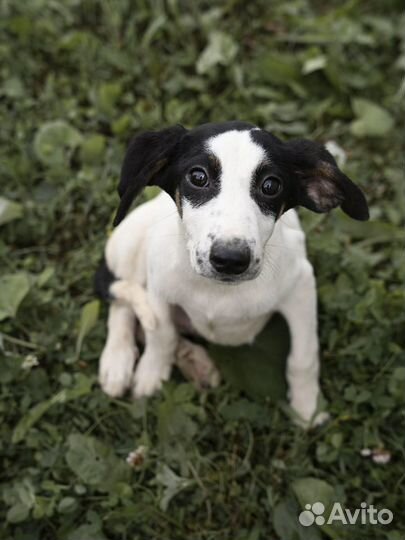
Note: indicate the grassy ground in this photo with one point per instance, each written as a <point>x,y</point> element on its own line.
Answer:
<point>77,79</point>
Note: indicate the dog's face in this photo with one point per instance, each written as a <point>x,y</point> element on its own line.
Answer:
<point>231,182</point>
<point>229,196</point>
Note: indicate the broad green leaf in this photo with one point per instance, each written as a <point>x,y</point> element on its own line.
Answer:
<point>314,64</point>
<point>17,513</point>
<point>9,210</point>
<point>86,532</point>
<point>256,414</point>
<point>67,505</point>
<point>157,23</point>
<point>172,483</point>
<point>55,141</point>
<point>311,490</point>
<point>372,120</point>
<point>82,387</point>
<point>286,524</point>
<point>47,273</point>
<point>12,88</point>
<point>92,148</point>
<point>396,383</point>
<point>371,232</point>
<point>122,125</point>
<point>88,319</point>
<point>221,49</point>
<point>174,424</point>
<point>257,369</point>
<point>280,68</point>
<point>107,97</point>
<point>95,463</point>
<point>13,289</point>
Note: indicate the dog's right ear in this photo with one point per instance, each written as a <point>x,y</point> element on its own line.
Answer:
<point>147,155</point>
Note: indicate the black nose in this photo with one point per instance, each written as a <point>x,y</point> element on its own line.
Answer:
<point>230,257</point>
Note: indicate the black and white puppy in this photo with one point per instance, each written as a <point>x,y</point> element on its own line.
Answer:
<point>224,243</point>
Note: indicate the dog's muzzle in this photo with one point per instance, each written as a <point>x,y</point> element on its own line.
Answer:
<point>230,258</point>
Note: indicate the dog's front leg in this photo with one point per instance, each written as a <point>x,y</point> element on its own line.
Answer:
<point>160,349</point>
<point>300,310</point>
<point>120,351</point>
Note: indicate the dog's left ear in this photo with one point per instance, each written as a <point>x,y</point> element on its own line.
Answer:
<point>147,155</point>
<point>322,185</point>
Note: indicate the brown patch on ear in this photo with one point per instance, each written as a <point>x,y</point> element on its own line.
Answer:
<point>177,199</point>
<point>322,188</point>
<point>321,184</point>
<point>325,194</point>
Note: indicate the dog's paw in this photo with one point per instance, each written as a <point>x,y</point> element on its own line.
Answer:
<point>196,365</point>
<point>306,415</point>
<point>116,369</point>
<point>320,418</point>
<point>150,374</point>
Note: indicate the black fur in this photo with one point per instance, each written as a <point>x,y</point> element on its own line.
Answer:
<point>198,196</point>
<point>103,280</point>
<point>147,154</point>
<point>268,205</point>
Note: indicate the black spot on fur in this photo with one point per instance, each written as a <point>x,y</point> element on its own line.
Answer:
<point>197,196</point>
<point>268,205</point>
<point>103,280</point>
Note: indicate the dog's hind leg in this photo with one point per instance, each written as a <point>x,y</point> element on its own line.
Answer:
<point>120,351</point>
<point>196,365</point>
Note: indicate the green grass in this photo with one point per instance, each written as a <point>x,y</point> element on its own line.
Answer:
<point>217,465</point>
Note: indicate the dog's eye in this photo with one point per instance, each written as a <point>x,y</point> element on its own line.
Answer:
<point>271,186</point>
<point>198,177</point>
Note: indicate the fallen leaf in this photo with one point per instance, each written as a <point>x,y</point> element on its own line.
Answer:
<point>221,49</point>
<point>372,120</point>
<point>88,319</point>
<point>9,210</point>
<point>13,289</point>
<point>54,142</point>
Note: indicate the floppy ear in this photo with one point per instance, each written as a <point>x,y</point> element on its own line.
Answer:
<point>147,155</point>
<point>322,185</point>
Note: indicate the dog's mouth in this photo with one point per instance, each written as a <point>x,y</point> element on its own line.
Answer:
<point>236,278</point>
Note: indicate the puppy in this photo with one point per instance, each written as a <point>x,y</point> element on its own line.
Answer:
<point>223,244</point>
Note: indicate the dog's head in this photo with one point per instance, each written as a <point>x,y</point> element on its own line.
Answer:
<point>231,182</point>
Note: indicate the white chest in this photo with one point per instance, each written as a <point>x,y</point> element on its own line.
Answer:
<point>223,313</point>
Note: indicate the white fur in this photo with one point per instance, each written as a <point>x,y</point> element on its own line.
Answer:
<point>120,351</point>
<point>154,247</point>
<point>135,295</point>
